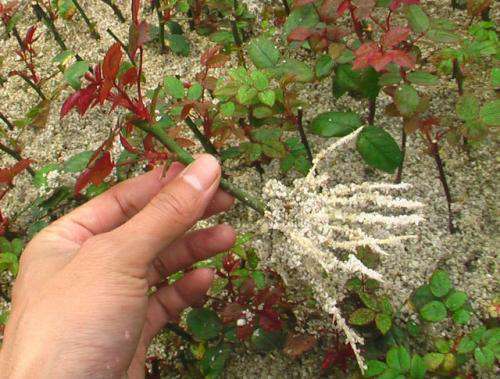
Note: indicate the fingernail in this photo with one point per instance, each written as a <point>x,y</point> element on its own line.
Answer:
<point>202,173</point>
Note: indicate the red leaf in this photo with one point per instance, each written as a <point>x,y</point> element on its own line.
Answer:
<point>245,331</point>
<point>402,58</point>
<point>300,34</point>
<point>28,40</point>
<point>231,312</point>
<point>127,146</point>
<point>365,54</point>
<point>138,35</point>
<point>111,62</point>
<point>104,91</point>
<point>87,95</point>
<point>395,36</point>
<point>95,174</point>
<point>136,5</point>
<point>297,345</point>
<point>69,104</point>
<point>343,7</point>
<point>8,174</point>
<point>129,76</point>
<point>269,320</point>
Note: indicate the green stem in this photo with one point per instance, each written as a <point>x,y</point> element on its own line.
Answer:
<point>161,26</point>
<point>184,157</point>
<point>89,23</point>
<point>205,142</point>
<point>118,13</point>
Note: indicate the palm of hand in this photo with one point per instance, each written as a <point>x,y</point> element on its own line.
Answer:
<point>80,304</point>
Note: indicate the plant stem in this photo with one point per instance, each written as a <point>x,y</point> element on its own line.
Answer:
<point>184,157</point>
<point>41,15</point>
<point>89,23</point>
<point>7,122</point>
<point>373,110</point>
<point>118,13</point>
<point>286,6</point>
<point>18,37</point>
<point>444,182</point>
<point>459,76</point>
<point>161,26</point>
<point>205,142</point>
<point>238,42</point>
<point>403,151</point>
<point>34,86</point>
<point>303,136</point>
<point>14,154</point>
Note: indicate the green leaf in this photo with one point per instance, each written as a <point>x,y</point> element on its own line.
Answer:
<point>195,91</point>
<point>390,373</point>
<point>262,112</point>
<point>305,17</point>
<point>466,345</point>
<point>75,72</point>
<point>422,78</point>
<point>259,279</point>
<point>374,368</point>
<point>324,66</point>
<point>335,124</point>
<point>16,17</point>
<point>267,341</point>
<point>418,20</point>
<point>443,345</point>
<point>17,246</point>
<point>444,36</point>
<point>398,358</point>
<point>246,95</point>
<point>227,109</point>
<point>495,77</point>
<point>422,296</point>
<point>204,323</point>
<point>251,151</point>
<point>174,87</point>
<point>467,107</point>
<point>383,322</point>
<point>407,100</point>
<point>5,245</point>
<point>298,70</point>
<point>434,311</point>
<point>490,113</point>
<point>63,57</point>
<point>433,360</point>
<point>390,78</point>
<point>259,80</point>
<point>179,44</point>
<point>417,367</point>
<point>484,357</point>
<point>40,178</point>
<point>461,316</point>
<point>455,300</point>
<point>9,261</point>
<point>378,149</point>
<point>369,300</point>
<point>263,53</point>
<point>440,283</point>
<point>78,162</point>
<point>267,97</point>
<point>362,316</point>
<point>214,360</point>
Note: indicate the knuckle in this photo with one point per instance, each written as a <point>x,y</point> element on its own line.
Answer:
<point>173,206</point>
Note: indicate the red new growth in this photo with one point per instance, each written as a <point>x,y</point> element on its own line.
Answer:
<point>8,174</point>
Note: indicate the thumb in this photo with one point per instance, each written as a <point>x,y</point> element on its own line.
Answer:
<point>173,211</point>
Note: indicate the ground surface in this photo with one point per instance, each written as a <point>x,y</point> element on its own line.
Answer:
<point>470,255</point>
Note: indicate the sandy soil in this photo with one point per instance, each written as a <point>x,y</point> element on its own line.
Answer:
<point>470,255</point>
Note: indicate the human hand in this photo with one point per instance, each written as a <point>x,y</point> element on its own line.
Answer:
<point>80,304</point>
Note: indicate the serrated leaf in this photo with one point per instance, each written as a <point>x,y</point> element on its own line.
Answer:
<point>335,124</point>
<point>422,78</point>
<point>466,345</point>
<point>461,316</point>
<point>417,367</point>
<point>433,360</point>
<point>418,20</point>
<point>78,162</point>
<point>195,91</point>
<point>490,113</point>
<point>406,100</point>
<point>204,323</point>
<point>399,359</point>
<point>434,311</point>
<point>440,283</point>
<point>174,87</point>
<point>467,107</point>
<point>74,73</point>
<point>374,368</point>
<point>378,149</point>
<point>305,17</point>
<point>267,97</point>
<point>383,322</point>
<point>263,53</point>
<point>362,316</point>
<point>324,66</point>
<point>455,300</point>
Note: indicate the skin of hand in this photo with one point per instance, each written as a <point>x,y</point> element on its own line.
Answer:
<point>82,305</point>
